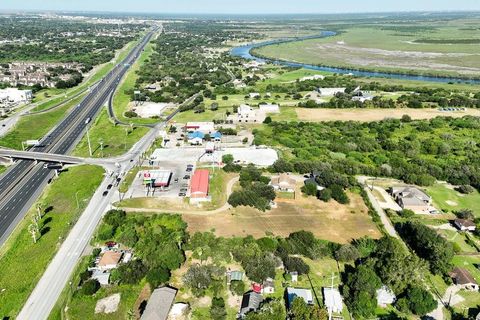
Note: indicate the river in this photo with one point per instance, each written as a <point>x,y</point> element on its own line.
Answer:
<point>245,52</point>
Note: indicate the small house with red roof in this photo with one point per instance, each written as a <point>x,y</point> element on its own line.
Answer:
<point>199,186</point>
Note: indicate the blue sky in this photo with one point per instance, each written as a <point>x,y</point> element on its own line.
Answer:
<point>241,6</point>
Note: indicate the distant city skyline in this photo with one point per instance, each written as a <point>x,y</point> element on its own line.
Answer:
<point>241,7</point>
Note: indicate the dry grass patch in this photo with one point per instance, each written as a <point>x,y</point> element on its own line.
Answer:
<point>330,221</point>
<point>367,115</point>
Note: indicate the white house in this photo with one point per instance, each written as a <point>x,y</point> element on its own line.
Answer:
<point>330,91</point>
<point>464,225</point>
<point>332,300</point>
<point>385,297</point>
<point>268,286</point>
<point>109,260</point>
<point>254,95</point>
<point>270,108</point>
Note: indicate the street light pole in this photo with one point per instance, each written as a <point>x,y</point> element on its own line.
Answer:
<point>88,140</point>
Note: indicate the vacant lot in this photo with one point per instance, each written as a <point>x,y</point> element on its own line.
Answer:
<point>330,221</point>
<point>366,115</point>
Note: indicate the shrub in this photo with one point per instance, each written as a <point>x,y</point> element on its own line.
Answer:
<point>347,252</point>
<point>90,287</point>
<point>465,189</point>
<point>310,189</point>
<point>217,310</point>
<point>418,300</point>
<point>267,120</point>
<point>131,114</point>
<point>237,287</point>
<point>406,213</point>
<point>157,276</point>
<point>465,214</point>
<point>296,264</point>
<point>325,195</point>
<point>339,194</point>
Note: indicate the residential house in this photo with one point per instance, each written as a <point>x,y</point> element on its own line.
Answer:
<point>362,96</point>
<point>109,260</point>
<point>283,182</point>
<point>332,300</point>
<point>412,198</point>
<point>268,286</point>
<point>464,225</point>
<point>250,303</point>
<point>159,304</point>
<point>254,95</point>
<point>305,294</point>
<point>462,278</point>
<point>385,297</point>
<point>103,277</point>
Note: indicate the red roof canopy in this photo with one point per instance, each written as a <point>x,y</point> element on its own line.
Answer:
<point>199,183</point>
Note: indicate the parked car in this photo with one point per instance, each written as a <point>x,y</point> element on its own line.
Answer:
<point>109,186</point>
<point>183,190</point>
<point>175,180</point>
<point>186,177</point>
<point>182,194</point>
<point>189,169</point>
<point>190,166</point>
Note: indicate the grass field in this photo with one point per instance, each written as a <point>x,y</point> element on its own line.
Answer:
<point>121,99</point>
<point>448,199</point>
<point>374,48</point>
<point>23,262</point>
<point>35,126</point>
<point>367,115</point>
<point>116,139</point>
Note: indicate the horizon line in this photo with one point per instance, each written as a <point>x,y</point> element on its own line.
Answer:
<point>230,13</point>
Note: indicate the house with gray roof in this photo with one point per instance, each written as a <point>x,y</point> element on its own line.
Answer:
<point>412,198</point>
<point>159,304</point>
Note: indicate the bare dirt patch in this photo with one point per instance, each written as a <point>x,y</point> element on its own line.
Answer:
<point>330,221</point>
<point>366,115</point>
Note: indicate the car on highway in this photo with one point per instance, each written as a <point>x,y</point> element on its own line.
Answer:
<point>189,169</point>
<point>186,177</point>
<point>175,180</point>
<point>190,166</point>
<point>104,194</point>
<point>182,194</point>
<point>185,185</point>
<point>109,186</point>
<point>183,190</point>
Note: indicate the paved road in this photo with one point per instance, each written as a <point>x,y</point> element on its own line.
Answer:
<point>22,183</point>
<point>45,295</point>
<point>383,216</point>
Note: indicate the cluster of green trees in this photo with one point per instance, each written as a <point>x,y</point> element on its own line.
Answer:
<point>256,191</point>
<point>417,152</point>
<point>389,264</point>
<point>157,242</point>
<point>62,40</point>
<point>183,64</point>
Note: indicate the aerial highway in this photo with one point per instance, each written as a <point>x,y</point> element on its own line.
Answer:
<point>24,181</point>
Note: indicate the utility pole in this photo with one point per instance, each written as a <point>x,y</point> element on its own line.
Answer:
<point>88,140</point>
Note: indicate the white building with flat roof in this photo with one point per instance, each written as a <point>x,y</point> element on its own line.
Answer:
<point>269,108</point>
<point>16,95</point>
<point>330,91</point>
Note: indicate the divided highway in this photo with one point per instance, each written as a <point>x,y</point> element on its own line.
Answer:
<point>21,185</point>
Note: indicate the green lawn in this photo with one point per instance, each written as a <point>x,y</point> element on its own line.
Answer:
<point>121,99</point>
<point>35,126</point>
<point>2,169</point>
<point>458,239</point>
<point>23,262</point>
<point>116,139</point>
<point>441,194</point>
